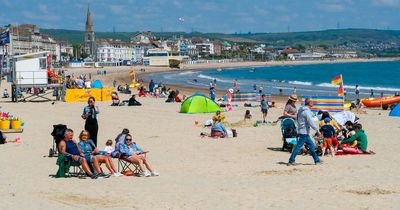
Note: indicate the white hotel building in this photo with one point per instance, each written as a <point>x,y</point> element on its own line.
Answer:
<point>113,52</point>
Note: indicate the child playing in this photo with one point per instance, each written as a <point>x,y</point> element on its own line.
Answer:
<point>328,133</point>
<point>247,115</point>
<point>109,149</point>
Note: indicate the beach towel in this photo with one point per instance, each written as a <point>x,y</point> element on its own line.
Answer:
<point>63,165</point>
<point>341,152</point>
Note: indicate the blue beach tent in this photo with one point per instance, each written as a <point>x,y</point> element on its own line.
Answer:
<point>395,111</point>
<point>97,84</point>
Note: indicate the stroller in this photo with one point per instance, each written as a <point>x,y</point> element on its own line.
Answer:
<point>58,135</point>
<point>289,134</point>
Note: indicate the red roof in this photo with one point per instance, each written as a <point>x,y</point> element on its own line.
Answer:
<point>290,50</point>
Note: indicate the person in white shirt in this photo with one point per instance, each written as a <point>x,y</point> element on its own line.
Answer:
<point>109,149</point>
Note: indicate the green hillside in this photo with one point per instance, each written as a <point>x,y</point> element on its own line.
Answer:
<point>327,37</point>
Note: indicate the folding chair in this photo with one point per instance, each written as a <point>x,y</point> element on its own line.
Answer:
<point>125,165</point>
<point>76,170</point>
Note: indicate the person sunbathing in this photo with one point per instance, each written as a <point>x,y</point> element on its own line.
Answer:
<point>92,154</point>
<point>133,102</point>
<point>69,147</point>
<point>135,155</point>
<point>361,140</point>
<point>218,130</point>
<point>115,99</point>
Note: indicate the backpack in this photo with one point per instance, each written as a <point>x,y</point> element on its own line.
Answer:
<point>2,139</point>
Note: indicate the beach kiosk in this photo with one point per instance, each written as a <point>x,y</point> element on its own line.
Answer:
<point>30,71</point>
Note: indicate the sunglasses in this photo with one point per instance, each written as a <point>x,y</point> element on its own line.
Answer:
<point>128,139</point>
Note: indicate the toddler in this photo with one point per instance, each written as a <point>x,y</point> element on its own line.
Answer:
<point>109,149</point>
<point>247,115</point>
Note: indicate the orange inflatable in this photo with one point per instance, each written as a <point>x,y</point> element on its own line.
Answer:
<point>376,102</point>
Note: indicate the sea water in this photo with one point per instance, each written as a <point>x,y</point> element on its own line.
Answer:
<point>312,79</point>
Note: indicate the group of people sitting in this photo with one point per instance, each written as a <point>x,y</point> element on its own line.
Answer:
<point>349,138</point>
<point>82,81</point>
<point>90,158</point>
<point>131,102</point>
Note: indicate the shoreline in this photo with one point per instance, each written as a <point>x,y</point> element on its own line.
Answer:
<point>120,73</point>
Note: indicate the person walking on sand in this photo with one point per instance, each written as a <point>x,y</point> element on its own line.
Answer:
<point>90,113</point>
<point>235,86</point>
<point>357,91</point>
<point>264,107</point>
<point>304,122</point>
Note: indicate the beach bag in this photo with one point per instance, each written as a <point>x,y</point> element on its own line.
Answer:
<point>229,133</point>
<point>234,133</point>
<point>2,139</point>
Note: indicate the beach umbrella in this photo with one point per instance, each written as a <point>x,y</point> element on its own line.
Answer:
<point>199,103</point>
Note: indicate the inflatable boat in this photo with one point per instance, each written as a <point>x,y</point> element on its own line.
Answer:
<point>376,102</point>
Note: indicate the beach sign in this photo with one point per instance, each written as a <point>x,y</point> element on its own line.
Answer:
<point>82,95</point>
<point>326,103</point>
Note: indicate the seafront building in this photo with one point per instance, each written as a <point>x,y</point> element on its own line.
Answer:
<point>111,52</point>
<point>27,38</point>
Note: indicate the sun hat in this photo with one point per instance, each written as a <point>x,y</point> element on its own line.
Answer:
<point>293,97</point>
<point>230,90</point>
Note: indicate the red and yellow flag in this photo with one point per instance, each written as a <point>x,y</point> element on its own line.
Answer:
<point>337,80</point>
<point>340,90</point>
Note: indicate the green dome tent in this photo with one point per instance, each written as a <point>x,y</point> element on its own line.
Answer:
<point>199,103</point>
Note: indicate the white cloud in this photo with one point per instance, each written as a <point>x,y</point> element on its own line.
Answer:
<point>46,17</point>
<point>43,8</point>
<point>119,9</point>
<point>331,7</point>
<point>386,3</point>
<point>178,3</point>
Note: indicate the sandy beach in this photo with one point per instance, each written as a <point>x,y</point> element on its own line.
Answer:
<point>247,172</point>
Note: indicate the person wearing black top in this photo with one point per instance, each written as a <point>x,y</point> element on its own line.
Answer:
<point>90,113</point>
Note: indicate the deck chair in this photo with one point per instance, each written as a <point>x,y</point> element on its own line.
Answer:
<point>125,165</point>
<point>76,170</point>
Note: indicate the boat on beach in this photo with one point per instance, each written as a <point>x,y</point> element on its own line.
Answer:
<point>377,102</point>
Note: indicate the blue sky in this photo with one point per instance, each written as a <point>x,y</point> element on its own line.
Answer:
<point>227,16</point>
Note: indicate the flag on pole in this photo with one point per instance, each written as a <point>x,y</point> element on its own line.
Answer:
<point>4,37</point>
<point>337,80</point>
<point>340,90</point>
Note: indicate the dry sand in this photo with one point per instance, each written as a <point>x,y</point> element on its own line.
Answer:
<point>196,173</point>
